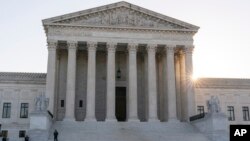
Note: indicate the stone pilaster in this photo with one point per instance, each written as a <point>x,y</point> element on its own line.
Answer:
<point>132,92</point>
<point>91,82</point>
<point>171,88</point>
<point>189,82</point>
<point>110,116</point>
<point>152,89</point>
<point>71,80</point>
<point>51,75</point>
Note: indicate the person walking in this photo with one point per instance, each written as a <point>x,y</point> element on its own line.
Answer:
<point>26,138</point>
<point>55,135</point>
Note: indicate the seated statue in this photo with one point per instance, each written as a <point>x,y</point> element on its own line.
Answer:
<point>41,103</point>
<point>213,105</point>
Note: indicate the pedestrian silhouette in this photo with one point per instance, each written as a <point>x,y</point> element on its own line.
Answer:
<point>55,135</point>
<point>26,138</point>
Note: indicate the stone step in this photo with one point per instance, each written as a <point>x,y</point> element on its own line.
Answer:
<point>126,131</point>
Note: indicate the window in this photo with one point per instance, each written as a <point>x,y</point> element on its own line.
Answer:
<point>245,111</point>
<point>80,103</point>
<point>22,133</point>
<point>62,103</point>
<point>6,110</point>
<point>4,133</point>
<point>200,110</point>
<point>24,110</point>
<point>230,110</point>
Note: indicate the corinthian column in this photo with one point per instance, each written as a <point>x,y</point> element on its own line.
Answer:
<point>189,82</point>
<point>171,88</point>
<point>152,89</point>
<point>71,79</point>
<point>90,113</point>
<point>132,92</point>
<point>110,116</point>
<point>51,74</point>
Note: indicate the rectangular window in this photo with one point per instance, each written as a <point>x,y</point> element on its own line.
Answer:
<point>0,130</point>
<point>24,110</point>
<point>4,133</point>
<point>62,103</point>
<point>200,110</point>
<point>6,110</point>
<point>230,110</point>
<point>22,133</point>
<point>245,111</point>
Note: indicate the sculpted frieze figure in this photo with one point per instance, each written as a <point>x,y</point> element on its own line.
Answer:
<point>122,17</point>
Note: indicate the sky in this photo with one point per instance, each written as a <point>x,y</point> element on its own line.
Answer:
<point>222,44</point>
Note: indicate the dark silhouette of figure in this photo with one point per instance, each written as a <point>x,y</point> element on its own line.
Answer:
<point>55,135</point>
<point>26,138</point>
<point>4,139</point>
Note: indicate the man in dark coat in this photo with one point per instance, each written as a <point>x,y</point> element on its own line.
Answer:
<point>55,135</point>
<point>26,138</point>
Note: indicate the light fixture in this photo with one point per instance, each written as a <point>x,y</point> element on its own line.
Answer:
<point>118,73</point>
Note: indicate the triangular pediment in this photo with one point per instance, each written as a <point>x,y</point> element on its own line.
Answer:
<point>121,14</point>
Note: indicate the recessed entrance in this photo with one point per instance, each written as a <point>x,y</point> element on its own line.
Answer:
<point>120,103</point>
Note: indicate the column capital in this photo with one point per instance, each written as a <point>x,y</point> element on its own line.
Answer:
<point>188,49</point>
<point>132,47</point>
<point>151,48</point>
<point>92,46</point>
<point>52,44</point>
<point>72,44</point>
<point>170,49</point>
<point>111,47</point>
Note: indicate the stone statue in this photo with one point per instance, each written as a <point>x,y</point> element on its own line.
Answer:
<point>41,103</point>
<point>213,105</point>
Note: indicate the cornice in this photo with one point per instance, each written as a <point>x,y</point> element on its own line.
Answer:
<point>135,29</point>
<point>222,83</point>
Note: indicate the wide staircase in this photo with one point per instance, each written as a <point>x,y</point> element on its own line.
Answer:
<point>126,131</point>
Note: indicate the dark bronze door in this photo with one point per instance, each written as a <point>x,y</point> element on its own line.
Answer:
<point>120,104</point>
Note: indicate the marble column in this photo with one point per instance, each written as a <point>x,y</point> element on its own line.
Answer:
<point>132,89</point>
<point>71,80</point>
<point>189,81</point>
<point>110,116</point>
<point>91,79</point>
<point>171,88</point>
<point>51,75</point>
<point>184,115</point>
<point>152,89</point>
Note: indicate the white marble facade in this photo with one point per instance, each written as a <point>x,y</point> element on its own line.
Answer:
<point>87,48</point>
<point>93,53</point>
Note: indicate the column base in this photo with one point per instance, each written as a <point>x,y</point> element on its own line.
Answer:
<point>90,120</point>
<point>110,120</point>
<point>153,120</point>
<point>133,120</point>
<point>173,120</point>
<point>69,119</point>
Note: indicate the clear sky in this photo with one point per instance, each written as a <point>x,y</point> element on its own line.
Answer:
<point>222,45</point>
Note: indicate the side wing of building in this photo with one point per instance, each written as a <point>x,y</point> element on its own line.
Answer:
<point>17,94</point>
<point>234,96</point>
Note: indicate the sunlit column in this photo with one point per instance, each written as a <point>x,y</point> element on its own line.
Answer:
<point>171,88</point>
<point>132,97</point>
<point>189,82</point>
<point>51,74</point>
<point>71,80</point>
<point>91,80</point>
<point>110,116</point>
<point>152,89</point>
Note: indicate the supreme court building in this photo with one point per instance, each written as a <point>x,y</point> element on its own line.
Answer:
<point>117,62</point>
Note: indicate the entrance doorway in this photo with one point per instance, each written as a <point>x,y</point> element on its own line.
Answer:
<point>120,104</point>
